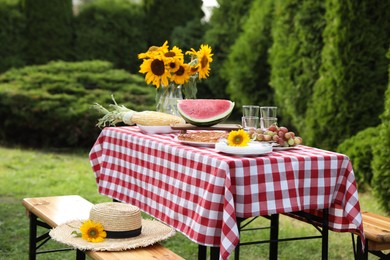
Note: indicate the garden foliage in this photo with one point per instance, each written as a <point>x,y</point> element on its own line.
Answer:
<point>111,30</point>
<point>50,105</point>
<point>224,27</point>
<point>348,96</point>
<point>369,151</point>
<point>360,149</point>
<point>161,18</point>
<point>247,69</point>
<point>12,26</point>
<point>295,56</point>
<point>49,30</point>
<point>381,163</point>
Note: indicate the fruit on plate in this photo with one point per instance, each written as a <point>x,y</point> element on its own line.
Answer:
<point>279,135</point>
<point>205,112</point>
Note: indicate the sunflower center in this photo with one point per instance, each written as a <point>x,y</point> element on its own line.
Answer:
<point>157,67</point>
<point>204,61</point>
<point>180,71</point>
<point>170,54</point>
<point>93,233</point>
<point>238,139</point>
<point>172,65</point>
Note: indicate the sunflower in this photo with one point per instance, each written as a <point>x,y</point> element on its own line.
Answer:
<point>238,138</point>
<point>182,75</point>
<point>92,231</point>
<point>204,57</point>
<point>156,71</point>
<point>153,50</point>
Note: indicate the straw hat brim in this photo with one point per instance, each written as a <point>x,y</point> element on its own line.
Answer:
<point>152,232</point>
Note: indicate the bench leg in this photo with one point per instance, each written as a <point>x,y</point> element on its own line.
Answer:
<point>33,234</point>
<point>80,255</point>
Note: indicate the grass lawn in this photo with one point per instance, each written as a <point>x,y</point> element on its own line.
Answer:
<point>31,173</point>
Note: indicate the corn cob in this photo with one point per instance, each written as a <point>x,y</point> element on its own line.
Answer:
<point>131,117</point>
<point>154,118</point>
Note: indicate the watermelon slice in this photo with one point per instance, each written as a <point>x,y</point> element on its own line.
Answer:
<point>205,112</point>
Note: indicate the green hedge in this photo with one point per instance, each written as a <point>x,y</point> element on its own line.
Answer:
<point>49,31</point>
<point>348,96</point>
<point>111,30</point>
<point>381,163</point>
<point>360,149</point>
<point>247,69</point>
<point>12,26</point>
<point>369,151</point>
<point>50,105</point>
<point>295,56</point>
<point>224,27</point>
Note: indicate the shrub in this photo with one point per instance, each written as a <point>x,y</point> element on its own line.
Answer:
<point>295,56</point>
<point>12,26</point>
<point>381,163</point>
<point>113,31</point>
<point>359,149</point>
<point>348,96</point>
<point>247,69</point>
<point>224,27</point>
<point>49,105</point>
<point>49,30</point>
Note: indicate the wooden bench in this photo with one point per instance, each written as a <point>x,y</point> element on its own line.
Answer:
<point>376,230</point>
<point>377,233</point>
<point>49,212</point>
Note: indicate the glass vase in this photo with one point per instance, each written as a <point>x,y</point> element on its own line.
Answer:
<point>189,89</point>
<point>166,98</point>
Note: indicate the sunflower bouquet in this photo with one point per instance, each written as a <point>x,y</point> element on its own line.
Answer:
<point>164,66</point>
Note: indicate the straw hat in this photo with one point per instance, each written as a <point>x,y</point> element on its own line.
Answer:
<point>123,225</point>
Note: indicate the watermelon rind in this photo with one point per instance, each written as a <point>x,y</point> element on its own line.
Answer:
<point>199,104</point>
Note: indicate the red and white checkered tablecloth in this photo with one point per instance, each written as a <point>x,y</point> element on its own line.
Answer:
<point>200,192</point>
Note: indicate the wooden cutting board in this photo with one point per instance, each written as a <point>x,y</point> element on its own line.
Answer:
<point>223,127</point>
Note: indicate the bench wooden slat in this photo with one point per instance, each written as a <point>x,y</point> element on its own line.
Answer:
<point>376,228</point>
<point>61,209</point>
<point>154,252</point>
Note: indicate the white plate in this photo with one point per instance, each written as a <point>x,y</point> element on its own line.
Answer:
<point>252,149</point>
<point>198,144</point>
<point>283,148</point>
<point>156,129</point>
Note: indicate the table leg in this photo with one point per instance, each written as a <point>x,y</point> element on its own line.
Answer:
<point>274,235</point>
<point>202,252</point>
<point>214,253</point>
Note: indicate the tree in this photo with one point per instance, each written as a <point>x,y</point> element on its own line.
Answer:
<point>49,32</point>
<point>381,162</point>
<point>295,56</point>
<point>111,30</point>
<point>224,27</point>
<point>161,17</point>
<point>348,96</point>
<point>12,26</point>
<point>247,69</point>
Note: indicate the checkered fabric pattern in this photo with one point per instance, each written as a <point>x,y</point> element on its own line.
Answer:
<point>200,192</point>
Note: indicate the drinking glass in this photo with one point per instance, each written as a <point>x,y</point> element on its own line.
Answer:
<point>268,117</point>
<point>250,110</point>
<point>249,122</point>
<point>268,112</point>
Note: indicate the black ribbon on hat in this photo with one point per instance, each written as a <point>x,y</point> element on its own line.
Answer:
<point>123,234</point>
